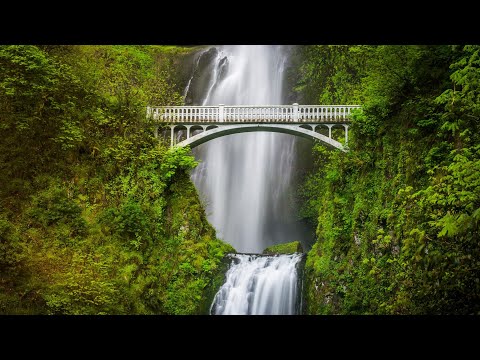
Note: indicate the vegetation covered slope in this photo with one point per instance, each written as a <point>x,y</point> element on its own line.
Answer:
<point>398,216</point>
<point>96,217</point>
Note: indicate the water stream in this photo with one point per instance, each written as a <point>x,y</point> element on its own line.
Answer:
<point>247,181</point>
<point>259,285</point>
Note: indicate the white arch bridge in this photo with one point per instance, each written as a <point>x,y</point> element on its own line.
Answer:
<point>203,123</point>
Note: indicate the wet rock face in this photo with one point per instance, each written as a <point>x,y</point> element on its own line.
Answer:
<point>201,75</point>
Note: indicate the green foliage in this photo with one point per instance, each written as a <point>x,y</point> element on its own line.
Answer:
<point>96,216</point>
<point>52,207</point>
<point>397,217</point>
<point>287,248</point>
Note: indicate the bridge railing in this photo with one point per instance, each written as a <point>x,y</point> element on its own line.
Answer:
<point>252,113</point>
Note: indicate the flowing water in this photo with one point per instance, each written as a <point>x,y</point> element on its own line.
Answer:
<point>248,180</point>
<point>259,285</point>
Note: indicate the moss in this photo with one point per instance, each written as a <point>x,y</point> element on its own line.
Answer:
<point>287,248</point>
<point>217,280</point>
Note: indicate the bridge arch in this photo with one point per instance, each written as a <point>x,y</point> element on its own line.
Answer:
<point>194,125</point>
<point>223,130</point>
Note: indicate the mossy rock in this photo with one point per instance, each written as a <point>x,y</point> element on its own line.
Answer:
<point>287,248</point>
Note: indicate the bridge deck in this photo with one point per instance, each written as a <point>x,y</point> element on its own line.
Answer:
<point>252,114</point>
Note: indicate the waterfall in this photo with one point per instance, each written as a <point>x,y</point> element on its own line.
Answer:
<point>259,285</point>
<point>246,180</point>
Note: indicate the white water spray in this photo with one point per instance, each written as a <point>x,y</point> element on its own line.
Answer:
<point>259,285</point>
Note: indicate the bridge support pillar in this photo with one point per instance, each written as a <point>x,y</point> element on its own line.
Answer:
<point>172,134</point>
<point>329,130</point>
<point>346,134</point>
<point>188,130</point>
<point>156,132</point>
